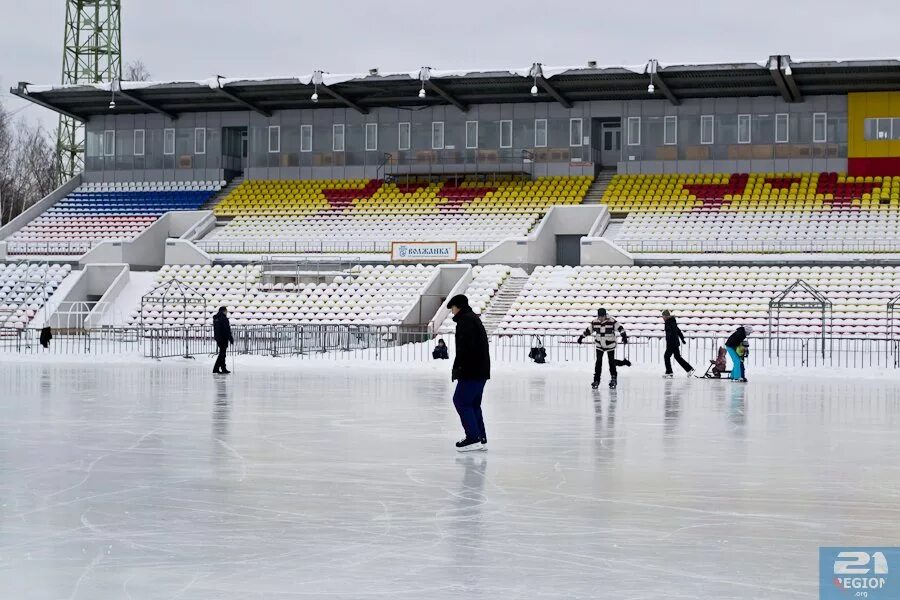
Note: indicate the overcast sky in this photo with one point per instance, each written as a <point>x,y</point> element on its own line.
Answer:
<point>194,39</point>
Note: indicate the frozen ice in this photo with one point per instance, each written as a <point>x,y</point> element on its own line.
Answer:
<point>163,481</point>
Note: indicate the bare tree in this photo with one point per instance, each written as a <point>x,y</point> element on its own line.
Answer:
<point>136,70</point>
<point>28,165</point>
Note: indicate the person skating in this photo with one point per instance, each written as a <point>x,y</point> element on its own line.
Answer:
<point>735,340</point>
<point>222,334</point>
<point>604,329</point>
<point>674,339</point>
<point>471,371</point>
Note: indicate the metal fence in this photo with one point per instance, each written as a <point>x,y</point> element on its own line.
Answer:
<point>761,246</point>
<point>319,247</point>
<point>415,344</point>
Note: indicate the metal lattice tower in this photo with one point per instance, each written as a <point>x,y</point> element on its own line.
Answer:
<point>92,53</point>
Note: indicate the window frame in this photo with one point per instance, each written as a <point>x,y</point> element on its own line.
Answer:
<point>169,133</point>
<point>400,138</point>
<point>334,137</point>
<point>824,117</point>
<point>749,119</point>
<point>471,144</point>
<point>509,126</point>
<point>437,126</point>
<point>711,119</point>
<point>546,139</point>
<point>143,146</point>
<point>666,120</point>
<point>787,128</point>
<point>631,141</point>
<point>109,149</point>
<point>580,141</point>
<point>197,131</point>
<point>276,129</point>
<point>373,136</point>
<point>306,128</point>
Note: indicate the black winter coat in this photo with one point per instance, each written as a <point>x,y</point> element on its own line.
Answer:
<point>222,329</point>
<point>737,338</point>
<point>473,357</point>
<point>674,337</point>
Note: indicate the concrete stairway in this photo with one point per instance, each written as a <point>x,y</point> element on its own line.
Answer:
<point>595,192</point>
<point>223,193</point>
<point>502,301</point>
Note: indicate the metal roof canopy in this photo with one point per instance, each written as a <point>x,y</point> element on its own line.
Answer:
<point>815,301</point>
<point>778,76</point>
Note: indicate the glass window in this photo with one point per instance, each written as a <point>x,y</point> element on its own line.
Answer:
<point>109,143</point>
<point>670,131</point>
<point>139,137</point>
<point>575,132</point>
<point>634,131</point>
<point>870,128</point>
<point>707,129</point>
<point>506,134</point>
<point>437,135</point>
<point>540,133</point>
<point>168,141</point>
<point>306,138</point>
<point>404,136</point>
<point>199,140</point>
<point>337,138</point>
<point>471,135</point>
<point>371,136</point>
<point>820,131</point>
<point>744,124</point>
<point>274,139</point>
<point>883,129</point>
<point>782,121</point>
<point>897,129</point>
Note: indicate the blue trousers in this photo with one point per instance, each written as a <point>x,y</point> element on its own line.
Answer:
<point>737,369</point>
<point>467,400</point>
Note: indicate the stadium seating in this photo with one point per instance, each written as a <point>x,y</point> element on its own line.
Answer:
<point>486,281</point>
<point>24,289</point>
<point>706,300</point>
<point>366,295</point>
<point>112,211</point>
<point>344,215</point>
<point>763,211</point>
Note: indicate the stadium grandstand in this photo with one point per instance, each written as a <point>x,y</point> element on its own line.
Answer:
<point>540,192</point>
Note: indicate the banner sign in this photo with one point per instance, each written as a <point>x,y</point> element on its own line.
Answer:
<point>423,252</point>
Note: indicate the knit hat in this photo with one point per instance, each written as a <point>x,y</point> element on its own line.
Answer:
<point>666,313</point>
<point>222,309</point>
<point>601,312</point>
<point>459,301</point>
<point>748,329</point>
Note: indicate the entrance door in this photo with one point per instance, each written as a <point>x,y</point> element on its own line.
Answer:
<point>611,144</point>
<point>568,250</point>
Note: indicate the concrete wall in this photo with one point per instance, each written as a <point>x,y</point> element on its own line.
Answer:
<point>148,250</point>
<point>602,251</point>
<point>539,247</point>
<point>94,280</point>
<point>435,293</point>
<point>108,300</point>
<point>184,252</point>
<point>458,278</point>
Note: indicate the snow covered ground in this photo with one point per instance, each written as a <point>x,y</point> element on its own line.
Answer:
<point>298,479</point>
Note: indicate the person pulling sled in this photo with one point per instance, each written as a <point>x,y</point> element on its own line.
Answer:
<point>604,329</point>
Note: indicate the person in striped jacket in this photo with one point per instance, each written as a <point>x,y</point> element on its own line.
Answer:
<point>604,329</point>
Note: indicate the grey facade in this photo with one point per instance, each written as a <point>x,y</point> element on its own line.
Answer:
<point>776,136</point>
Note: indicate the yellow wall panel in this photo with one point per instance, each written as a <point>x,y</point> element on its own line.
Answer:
<point>866,105</point>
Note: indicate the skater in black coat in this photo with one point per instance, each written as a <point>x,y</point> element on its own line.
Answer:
<point>471,370</point>
<point>674,339</point>
<point>222,334</point>
<point>440,351</point>
<point>731,345</point>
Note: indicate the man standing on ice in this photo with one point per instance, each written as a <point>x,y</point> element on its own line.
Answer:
<point>604,329</point>
<point>674,338</point>
<point>471,370</point>
<point>222,333</point>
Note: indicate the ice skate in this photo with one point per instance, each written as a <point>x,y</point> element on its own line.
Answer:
<point>612,383</point>
<point>668,375</point>
<point>595,385</point>
<point>690,373</point>
<point>626,362</point>
<point>469,445</point>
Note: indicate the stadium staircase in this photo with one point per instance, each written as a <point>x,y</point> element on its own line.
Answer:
<point>223,193</point>
<point>598,187</point>
<point>502,302</point>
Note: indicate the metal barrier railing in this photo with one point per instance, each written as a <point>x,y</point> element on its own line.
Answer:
<point>759,246</point>
<point>406,344</point>
<point>319,247</point>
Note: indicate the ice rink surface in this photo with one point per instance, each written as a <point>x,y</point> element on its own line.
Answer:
<point>164,482</point>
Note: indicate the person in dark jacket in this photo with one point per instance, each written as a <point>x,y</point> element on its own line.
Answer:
<point>222,333</point>
<point>440,352</point>
<point>731,345</point>
<point>471,370</point>
<point>674,339</point>
<point>604,329</point>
